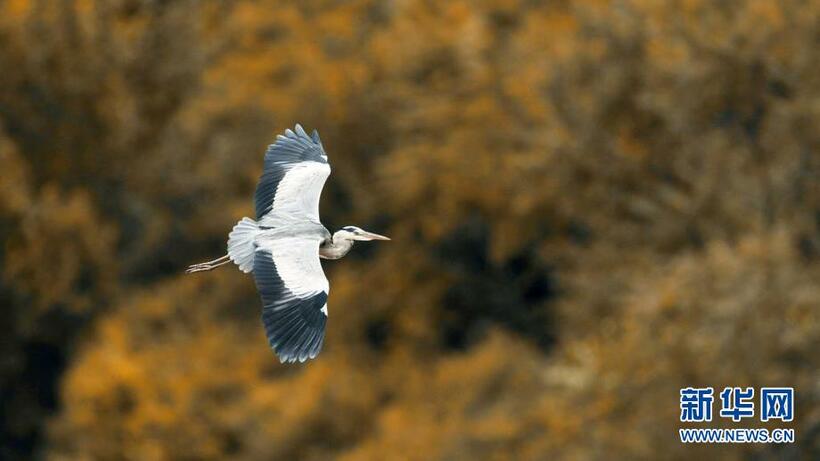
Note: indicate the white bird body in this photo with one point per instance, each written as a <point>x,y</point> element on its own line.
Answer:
<point>283,246</point>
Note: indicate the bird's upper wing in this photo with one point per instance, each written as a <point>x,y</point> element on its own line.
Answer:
<point>294,293</point>
<point>296,168</point>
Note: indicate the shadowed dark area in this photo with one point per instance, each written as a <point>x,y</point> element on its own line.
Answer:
<point>512,294</point>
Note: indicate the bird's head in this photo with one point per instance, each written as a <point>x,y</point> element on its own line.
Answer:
<point>355,233</point>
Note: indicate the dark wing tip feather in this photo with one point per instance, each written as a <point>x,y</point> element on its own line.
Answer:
<point>300,131</point>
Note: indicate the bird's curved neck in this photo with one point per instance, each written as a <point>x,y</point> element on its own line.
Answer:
<point>335,247</point>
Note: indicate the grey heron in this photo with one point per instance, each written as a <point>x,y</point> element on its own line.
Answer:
<point>283,245</point>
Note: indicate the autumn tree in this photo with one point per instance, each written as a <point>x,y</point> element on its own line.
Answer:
<point>592,205</point>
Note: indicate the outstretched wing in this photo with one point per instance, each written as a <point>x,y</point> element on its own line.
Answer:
<point>294,293</point>
<point>296,168</point>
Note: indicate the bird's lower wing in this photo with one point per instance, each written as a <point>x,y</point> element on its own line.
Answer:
<point>294,294</point>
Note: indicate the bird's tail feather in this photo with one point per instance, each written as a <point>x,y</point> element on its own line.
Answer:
<point>240,243</point>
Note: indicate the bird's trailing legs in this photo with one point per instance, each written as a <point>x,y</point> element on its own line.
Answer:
<point>207,266</point>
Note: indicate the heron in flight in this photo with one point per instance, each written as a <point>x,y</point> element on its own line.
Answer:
<point>283,245</point>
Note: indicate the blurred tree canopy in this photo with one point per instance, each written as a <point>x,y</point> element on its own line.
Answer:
<point>592,205</point>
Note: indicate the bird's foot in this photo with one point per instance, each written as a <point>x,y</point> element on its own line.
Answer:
<point>198,268</point>
<point>207,266</point>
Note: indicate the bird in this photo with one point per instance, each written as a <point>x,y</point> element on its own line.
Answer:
<point>283,246</point>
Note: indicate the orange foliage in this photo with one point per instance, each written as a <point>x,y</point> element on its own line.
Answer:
<point>592,205</point>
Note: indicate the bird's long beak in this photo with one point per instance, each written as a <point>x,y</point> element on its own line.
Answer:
<point>372,236</point>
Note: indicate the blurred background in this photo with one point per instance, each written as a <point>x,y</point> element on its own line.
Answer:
<point>592,203</point>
